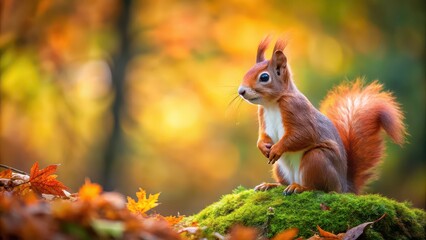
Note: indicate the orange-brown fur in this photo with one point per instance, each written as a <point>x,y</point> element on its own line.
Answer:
<point>359,112</point>
<point>340,147</point>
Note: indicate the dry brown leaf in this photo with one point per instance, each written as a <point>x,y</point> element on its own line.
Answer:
<point>191,230</point>
<point>315,237</point>
<point>357,231</point>
<point>324,207</point>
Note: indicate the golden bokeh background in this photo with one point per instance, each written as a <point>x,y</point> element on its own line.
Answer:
<point>139,93</point>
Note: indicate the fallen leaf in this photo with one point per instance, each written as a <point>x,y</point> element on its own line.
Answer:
<point>6,174</point>
<point>44,181</point>
<point>155,229</point>
<point>326,234</point>
<point>143,204</point>
<point>4,182</point>
<point>357,231</point>
<point>288,234</point>
<point>114,199</point>
<point>239,232</point>
<point>191,230</point>
<point>5,178</point>
<point>315,237</point>
<point>30,198</point>
<point>89,191</point>
<point>324,207</point>
<point>172,220</point>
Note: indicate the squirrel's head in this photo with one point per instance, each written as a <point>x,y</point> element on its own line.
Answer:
<point>267,80</point>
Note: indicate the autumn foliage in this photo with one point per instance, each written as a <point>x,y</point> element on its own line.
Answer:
<point>143,204</point>
<point>38,181</point>
<point>44,181</point>
<point>38,206</point>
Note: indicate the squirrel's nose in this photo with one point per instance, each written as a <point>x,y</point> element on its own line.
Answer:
<point>241,91</point>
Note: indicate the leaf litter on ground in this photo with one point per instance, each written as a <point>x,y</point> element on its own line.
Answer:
<point>37,205</point>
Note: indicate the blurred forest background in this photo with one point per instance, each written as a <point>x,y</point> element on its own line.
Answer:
<point>136,93</point>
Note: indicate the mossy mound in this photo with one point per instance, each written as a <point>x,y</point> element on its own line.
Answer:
<point>272,212</point>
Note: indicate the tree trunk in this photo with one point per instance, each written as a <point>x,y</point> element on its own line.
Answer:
<point>118,70</point>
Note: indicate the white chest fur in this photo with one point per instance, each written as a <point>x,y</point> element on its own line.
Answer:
<point>274,128</point>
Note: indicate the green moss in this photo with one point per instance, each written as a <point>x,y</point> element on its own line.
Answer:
<point>272,212</point>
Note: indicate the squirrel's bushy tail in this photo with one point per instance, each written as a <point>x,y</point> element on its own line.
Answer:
<point>359,112</point>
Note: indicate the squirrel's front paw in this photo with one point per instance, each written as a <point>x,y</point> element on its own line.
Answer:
<point>275,153</point>
<point>266,186</point>
<point>265,148</point>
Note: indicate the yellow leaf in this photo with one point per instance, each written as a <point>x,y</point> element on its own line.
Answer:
<point>143,204</point>
<point>89,191</point>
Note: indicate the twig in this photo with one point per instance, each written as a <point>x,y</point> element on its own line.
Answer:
<point>13,169</point>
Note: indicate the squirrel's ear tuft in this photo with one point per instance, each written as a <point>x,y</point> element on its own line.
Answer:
<point>280,45</point>
<point>279,61</point>
<point>262,48</point>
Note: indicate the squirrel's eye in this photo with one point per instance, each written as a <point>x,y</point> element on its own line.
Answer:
<point>264,77</point>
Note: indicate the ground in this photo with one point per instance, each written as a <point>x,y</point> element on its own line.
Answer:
<point>272,212</point>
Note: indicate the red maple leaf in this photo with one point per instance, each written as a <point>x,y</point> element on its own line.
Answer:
<point>44,181</point>
<point>6,174</point>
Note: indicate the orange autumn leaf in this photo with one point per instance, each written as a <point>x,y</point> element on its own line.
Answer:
<point>288,234</point>
<point>44,181</point>
<point>29,197</point>
<point>327,235</point>
<point>5,178</point>
<point>6,174</point>
<point>143,204</point>
<point>239,232</point>
<point>89,191</point>
<point>172,220</point>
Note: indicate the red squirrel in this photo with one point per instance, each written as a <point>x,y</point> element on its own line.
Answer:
<point>335,149</point>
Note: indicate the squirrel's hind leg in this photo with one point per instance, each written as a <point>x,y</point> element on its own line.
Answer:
<point>317,171</point>
<point>294,188</point>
